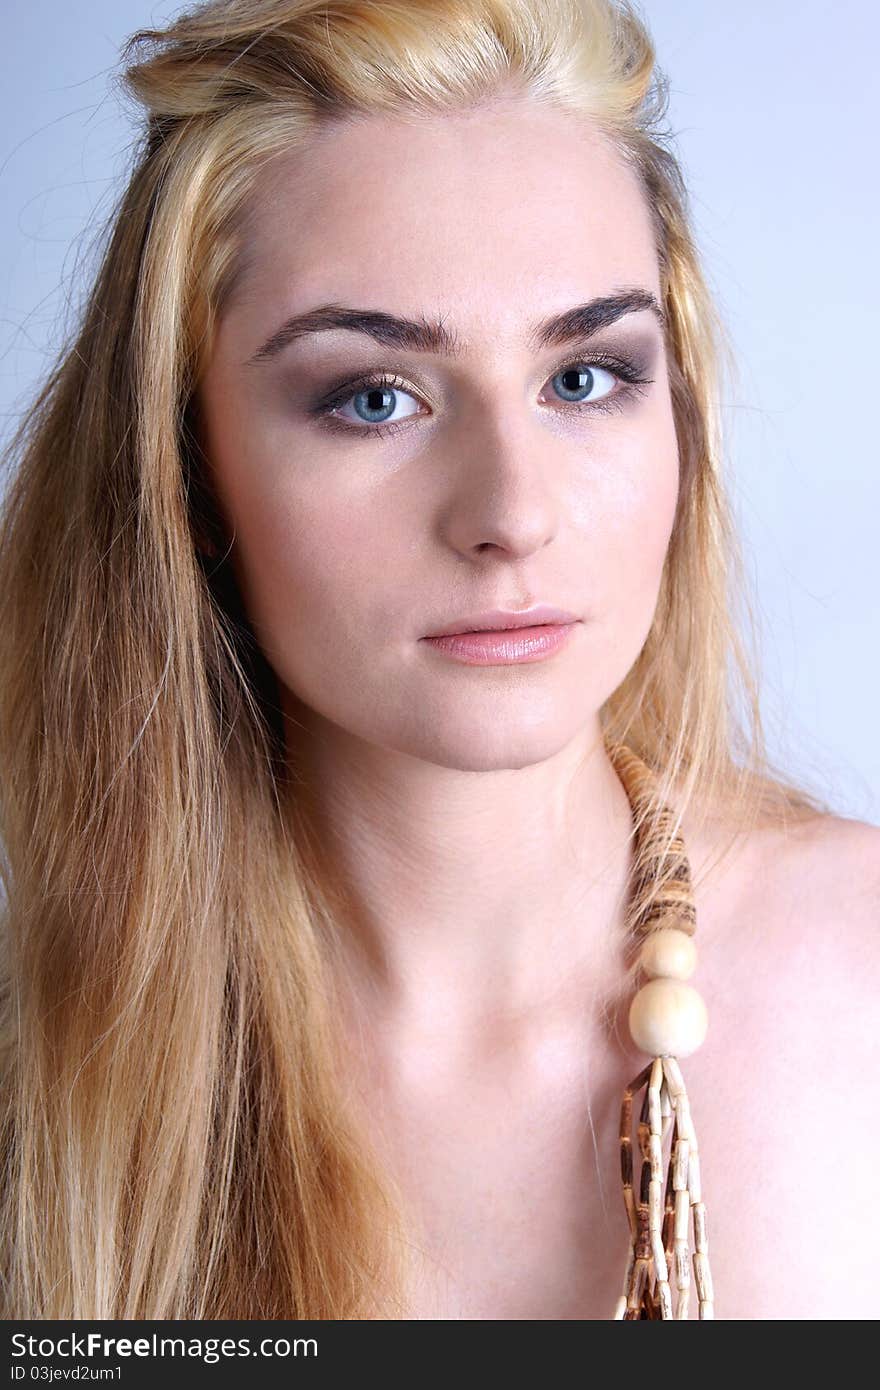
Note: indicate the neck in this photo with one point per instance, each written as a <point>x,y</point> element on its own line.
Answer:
<point>473,899</point>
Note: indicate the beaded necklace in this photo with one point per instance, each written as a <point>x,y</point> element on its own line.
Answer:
<point>667,1020</point>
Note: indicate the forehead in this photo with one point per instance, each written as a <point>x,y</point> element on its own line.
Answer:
<point>491,216</point>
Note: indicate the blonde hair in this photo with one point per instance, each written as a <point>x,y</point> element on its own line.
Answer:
<point>174,1128</point>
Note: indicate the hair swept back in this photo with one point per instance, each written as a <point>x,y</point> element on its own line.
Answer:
<point>175,1139</point>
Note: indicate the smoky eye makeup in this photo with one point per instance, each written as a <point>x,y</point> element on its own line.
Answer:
<point>629,360</point>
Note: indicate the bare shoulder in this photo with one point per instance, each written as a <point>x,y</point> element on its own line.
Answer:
<point>840,852</point>
<point>789,967</point>
<point>824,881</point>
<point>801,891</point>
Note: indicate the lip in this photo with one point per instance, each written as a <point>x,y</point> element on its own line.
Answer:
<point>505,619</point>
<point>504,647</point>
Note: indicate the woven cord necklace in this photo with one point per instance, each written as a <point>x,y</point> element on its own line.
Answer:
<point>667,1020</point>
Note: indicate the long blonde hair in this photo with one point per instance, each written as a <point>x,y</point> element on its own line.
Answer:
<point>174,1131</point>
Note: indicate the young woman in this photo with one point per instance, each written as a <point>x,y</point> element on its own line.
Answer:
<point>316,937</point>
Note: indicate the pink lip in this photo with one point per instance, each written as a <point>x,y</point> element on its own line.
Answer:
<point>501,619</point>
<point>504,647</point>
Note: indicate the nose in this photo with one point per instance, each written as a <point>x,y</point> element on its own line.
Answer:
<point>506,494</point>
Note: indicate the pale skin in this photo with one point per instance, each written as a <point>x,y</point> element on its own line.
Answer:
<point>473,812</point>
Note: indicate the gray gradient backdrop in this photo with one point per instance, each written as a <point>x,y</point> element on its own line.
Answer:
<point>773,112</point>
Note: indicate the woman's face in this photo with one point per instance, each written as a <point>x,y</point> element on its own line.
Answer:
<point>505,473</point>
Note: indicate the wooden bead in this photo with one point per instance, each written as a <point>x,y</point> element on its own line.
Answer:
<point>668,1018</point>
<point>670,953</point>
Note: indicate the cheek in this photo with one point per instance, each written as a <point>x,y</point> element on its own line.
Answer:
<point>310,553</point>
<point>307,566</point>
<point>627,529</point>
<point>638,525</point>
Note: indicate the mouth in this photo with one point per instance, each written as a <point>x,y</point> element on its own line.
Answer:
<point>507,620</point>
<point>504,646</point>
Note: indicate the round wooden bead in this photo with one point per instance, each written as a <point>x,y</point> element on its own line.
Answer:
<point>668,952</point>
<point>668,1018</point>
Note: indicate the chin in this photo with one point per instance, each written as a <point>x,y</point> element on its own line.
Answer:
<point>488,747</point>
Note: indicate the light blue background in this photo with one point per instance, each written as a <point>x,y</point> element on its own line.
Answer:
<point>774,112</point>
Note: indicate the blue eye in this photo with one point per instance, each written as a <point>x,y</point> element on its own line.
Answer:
<point>574,381</point>
<point>375,402</point>
<point>376,398</point>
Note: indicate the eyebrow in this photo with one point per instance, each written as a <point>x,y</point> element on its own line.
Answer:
<point>425,335</point>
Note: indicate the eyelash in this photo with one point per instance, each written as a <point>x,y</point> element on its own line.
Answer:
<point>627,372</point>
